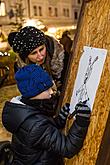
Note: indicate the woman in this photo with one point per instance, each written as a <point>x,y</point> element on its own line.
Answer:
<point>33,46</point>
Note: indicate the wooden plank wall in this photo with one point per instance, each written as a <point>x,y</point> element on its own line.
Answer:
<point>93,30</point>
<point>104,151</point>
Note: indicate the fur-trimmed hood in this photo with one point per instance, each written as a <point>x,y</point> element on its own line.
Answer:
<point>57,59</point>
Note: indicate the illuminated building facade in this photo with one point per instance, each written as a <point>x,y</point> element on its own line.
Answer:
<point>59,14</point>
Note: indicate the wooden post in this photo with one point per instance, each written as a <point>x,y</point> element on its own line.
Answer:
<point>93,30</point>
<point>104,151</point>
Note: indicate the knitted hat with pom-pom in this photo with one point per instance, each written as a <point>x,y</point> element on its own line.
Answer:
<point>26,40</point>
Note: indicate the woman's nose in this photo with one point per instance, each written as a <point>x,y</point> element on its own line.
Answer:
<point>39,53</point>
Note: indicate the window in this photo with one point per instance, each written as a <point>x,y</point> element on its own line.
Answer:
<point>79,1</point>
<point>56,12</point>
<point>50,11</point>
<point>35,10</point>
<point>40,11</point>
<point>2,9</point>
<point>66,12</point>
<point>75,15</point>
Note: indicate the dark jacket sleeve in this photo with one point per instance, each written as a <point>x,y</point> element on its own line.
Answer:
<point>60,121</point>
<point>61,118</point>
<point>50,138</point>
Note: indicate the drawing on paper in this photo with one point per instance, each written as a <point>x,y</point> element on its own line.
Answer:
<point>82,93</point>
<point>88,76</point>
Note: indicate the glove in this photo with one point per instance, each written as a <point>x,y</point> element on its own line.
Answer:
<point>83,113</point>
<point>83,110</point>
<point>64,111</point>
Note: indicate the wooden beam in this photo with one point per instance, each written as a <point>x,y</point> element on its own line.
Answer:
<point>104,151</point>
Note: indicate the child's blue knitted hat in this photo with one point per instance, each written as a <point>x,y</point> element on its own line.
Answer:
<point>32,80</point>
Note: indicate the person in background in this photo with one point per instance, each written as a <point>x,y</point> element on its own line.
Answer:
<point>37,138</point>
<point>33,46</point>
<point>66,41</point>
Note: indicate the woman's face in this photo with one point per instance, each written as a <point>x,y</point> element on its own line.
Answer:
<point>38,55</point>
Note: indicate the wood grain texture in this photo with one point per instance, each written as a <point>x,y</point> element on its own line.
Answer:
<point>94,31</point>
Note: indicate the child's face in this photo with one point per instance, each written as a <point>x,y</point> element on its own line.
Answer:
<point>38,55</point>
<point>44,95</point>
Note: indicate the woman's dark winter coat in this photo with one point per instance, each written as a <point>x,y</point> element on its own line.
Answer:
<point>36,138</point>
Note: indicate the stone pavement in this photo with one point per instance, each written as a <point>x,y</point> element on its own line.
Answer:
<point>6,93</point>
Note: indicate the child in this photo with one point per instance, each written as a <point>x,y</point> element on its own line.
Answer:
<point>36,131</point>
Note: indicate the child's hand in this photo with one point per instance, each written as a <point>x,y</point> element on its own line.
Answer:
<point>83,110</point>
<point>83,113</point>
<point>65,111</point>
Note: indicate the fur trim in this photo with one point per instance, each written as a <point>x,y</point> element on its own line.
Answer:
<point>57,59</point>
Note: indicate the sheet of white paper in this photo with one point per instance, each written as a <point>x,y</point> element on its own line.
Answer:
<point>88,76</point>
